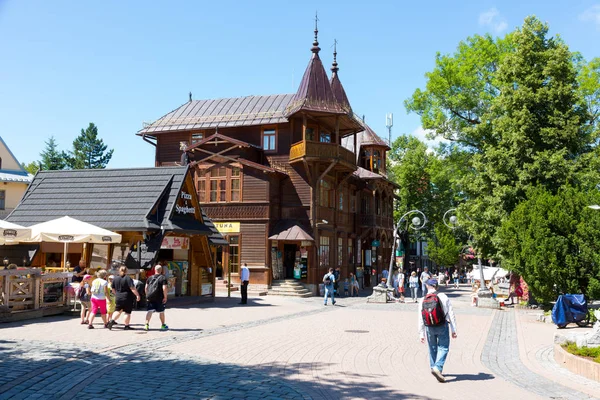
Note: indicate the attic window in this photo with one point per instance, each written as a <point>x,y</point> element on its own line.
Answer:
<point>269,139</point>
<point>196,137</point>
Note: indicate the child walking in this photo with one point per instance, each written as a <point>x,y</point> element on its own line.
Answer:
<point>83,295</point>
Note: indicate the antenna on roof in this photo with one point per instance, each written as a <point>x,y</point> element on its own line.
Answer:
<point>363,118</point>
<point>389,122</point>
<point>190,96</point>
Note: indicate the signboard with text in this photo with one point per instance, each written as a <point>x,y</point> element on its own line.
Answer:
<point>227,227</point>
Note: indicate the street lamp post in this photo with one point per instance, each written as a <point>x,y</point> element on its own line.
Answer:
<point>416,223</point>
<point>451,222</point>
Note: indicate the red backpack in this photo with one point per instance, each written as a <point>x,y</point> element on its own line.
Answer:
<point>432,313</point>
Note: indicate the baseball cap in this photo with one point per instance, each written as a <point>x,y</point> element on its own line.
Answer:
<point>431,282</point>
<point>86,276</point>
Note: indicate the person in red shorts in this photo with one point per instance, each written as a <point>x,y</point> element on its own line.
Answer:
<point>99,295</point>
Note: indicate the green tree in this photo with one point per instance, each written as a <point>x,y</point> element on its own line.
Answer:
<point>52,158</point>
<point>33,167</point>
<point>89,151</point>
<point>443,248</point>
<point>515,104</point>
<point>553,242</point>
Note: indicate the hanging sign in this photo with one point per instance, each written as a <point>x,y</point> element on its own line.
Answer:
<point>227,227</point>
<point>175,243</point>
<point>375,243</point>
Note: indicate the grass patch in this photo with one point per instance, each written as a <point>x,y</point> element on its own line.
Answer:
<point>588,352</point>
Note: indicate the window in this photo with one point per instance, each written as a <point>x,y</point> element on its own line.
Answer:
<point>0,162</point>
<point>326,198</point>
<point>341,200</point>
<point>234,254</point>
<point>196,137</point>
<point>366,159</point>
<point>340,252</point>
<point>311,133</point>
<point>324,251</point>
<point>350,252</point>
<point>365,205</point>
<point>269,136</point>
<point>353,204</point>
<point>235,184</point>
<point>376,161</point>
<point>377,205</point>
<point>325,137</point>
<point>202,190</point>
<point>218,185</point>
<point>2,199</point>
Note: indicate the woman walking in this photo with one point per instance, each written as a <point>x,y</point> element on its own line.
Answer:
<point>99,295</point>
<point>413,283</point>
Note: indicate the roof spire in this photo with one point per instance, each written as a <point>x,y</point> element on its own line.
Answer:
<point>315,49</point>
<point>190,97</point>
<point>334,65</point>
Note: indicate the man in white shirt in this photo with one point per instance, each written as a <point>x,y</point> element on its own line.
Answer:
<point>245,279</point>
<point>438,336</point>
<point>425,275</point>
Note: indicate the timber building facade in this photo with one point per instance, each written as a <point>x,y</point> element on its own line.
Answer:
<point>295,182</point>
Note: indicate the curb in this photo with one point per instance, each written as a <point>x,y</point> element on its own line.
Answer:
<point>577,365</point>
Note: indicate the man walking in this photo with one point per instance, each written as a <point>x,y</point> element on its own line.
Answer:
<point>156,294</point>
<point>425,275</point>
<point>245,278</point>
<point>125,293</point>
<point>328,282</point>
<point>435,314</point>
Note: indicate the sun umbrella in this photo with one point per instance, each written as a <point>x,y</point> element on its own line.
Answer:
<point>12,233</point>
<point>70,230</point>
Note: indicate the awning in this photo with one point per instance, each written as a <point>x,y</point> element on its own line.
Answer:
<point>289,229</point>
<point>188,226</point>
<point>13,233</point>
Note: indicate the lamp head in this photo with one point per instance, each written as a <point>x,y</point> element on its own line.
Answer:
<point>5,261</point>
<point>594,207</point>
<point>416,221</point>
<point>453,220</point>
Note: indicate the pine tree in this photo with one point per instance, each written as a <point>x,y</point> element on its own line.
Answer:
<point>52,158</point>
<point>89,151</point>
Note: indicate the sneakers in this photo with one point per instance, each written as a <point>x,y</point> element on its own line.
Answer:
<point>110,324</point>
<point>438,375</point>
<point>146,327</point>
<point>333,302</point>
<point>127,328</point>
<point>90,326</point>
<point>164,327</point>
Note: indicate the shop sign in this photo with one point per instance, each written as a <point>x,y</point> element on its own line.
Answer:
<point>227,227</point>
<point>183,207</point>
<point>375,243</point>
<point>306,243</point>
<point>66,238</point>
<point>106,239</point>
<point>175,243</point>
<point>274,243</point>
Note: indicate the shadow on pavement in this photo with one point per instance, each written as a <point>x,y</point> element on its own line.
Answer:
<point>482,376</point>
<point>46,370</point>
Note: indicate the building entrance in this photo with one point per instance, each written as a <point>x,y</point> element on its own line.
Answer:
<point>289,260</point>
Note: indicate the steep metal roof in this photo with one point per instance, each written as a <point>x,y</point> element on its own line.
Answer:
<point>314,92</point>
<point>336,85</point>
<point>367,137</point>
<point>132,199</point>
<point>223,113</point>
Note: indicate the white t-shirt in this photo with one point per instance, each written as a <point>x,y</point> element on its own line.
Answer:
<point>99,289</point>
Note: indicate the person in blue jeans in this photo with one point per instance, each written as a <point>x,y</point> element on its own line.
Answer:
<point>328,282</point>
<point>438,337</point>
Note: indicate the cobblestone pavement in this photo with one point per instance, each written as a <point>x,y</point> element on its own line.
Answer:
<point>274,348</point>
<point>501,356</point>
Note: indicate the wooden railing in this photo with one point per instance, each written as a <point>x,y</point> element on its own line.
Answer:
<point>321,150</point>
<point>28,289</point>
<point>375,220</point>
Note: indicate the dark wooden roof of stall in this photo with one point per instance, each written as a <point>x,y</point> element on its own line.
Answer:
<point>115,199</point>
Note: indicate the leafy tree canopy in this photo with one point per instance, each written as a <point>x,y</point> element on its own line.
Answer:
<point>33,167</point>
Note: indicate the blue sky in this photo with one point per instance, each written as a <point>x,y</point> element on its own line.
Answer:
<point>120,63</point>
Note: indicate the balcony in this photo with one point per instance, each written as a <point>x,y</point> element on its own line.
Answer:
<point>318,151</point>
<point>379,221</point>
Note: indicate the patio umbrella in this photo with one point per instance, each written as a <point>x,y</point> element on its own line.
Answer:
<point>12,233</point>
<point>70,230</point>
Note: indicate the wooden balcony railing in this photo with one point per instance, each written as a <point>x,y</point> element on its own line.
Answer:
<point>375,220</point>
<point>324,151</point>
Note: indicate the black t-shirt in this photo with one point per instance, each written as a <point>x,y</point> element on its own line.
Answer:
<point>122,286</point>
<point>77,270</point>
<point>162,281</point>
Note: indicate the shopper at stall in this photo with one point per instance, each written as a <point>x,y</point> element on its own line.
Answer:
<point>156,295</point>
<point>125,293</point>
<point>79,271</point>
<point>83,295</point>
<point>99,295</point>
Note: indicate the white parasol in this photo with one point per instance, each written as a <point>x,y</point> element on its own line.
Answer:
<point>12,233</point>
<point>70,230</point>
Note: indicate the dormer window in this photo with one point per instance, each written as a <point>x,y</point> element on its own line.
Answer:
<point>376,163</point>
<point>366,159</point>
<point>325,137</point>
<point>269,139</point>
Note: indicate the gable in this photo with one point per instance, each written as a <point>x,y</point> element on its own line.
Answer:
<point>9,161</point>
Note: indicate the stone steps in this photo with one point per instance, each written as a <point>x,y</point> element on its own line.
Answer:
<point>288,287</point>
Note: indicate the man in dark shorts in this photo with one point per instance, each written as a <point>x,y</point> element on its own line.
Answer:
<point>156,292</point>
<point>125,293</point>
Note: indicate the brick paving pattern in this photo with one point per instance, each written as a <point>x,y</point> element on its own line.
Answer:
<point>501,356</point>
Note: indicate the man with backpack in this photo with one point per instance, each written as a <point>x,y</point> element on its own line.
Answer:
<point>328,282</point>
<point>435,314</point>
<point>156,295</point>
